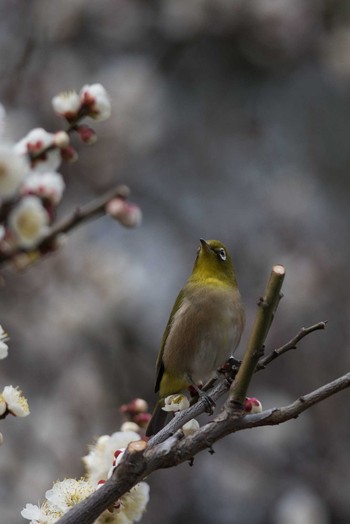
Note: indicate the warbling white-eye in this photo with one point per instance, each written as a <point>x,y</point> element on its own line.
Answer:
<point>204,328</point>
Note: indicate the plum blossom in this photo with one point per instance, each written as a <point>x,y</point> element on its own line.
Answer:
<point>28,221</point>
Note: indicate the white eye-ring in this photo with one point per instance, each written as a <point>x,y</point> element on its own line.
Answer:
<point>222,254</point>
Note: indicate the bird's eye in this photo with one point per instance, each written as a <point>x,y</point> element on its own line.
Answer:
<point>222,253</point>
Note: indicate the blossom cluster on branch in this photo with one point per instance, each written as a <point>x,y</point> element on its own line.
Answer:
<point>100,463</point>
<point>31,186</point>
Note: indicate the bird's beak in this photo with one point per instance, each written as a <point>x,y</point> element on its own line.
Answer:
<point>204,244</point>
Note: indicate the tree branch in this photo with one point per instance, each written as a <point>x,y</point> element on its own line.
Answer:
<point>80,215</point>
<point>267,306</point>
<point>136,466</point>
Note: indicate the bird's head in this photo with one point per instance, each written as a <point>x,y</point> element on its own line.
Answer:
<point>213,262</point>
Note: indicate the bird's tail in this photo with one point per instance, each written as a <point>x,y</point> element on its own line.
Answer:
<point>157,421</point>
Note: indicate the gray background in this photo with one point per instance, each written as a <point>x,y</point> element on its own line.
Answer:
<point>231,120</point>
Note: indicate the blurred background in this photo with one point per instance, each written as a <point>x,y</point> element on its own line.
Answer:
<point>231,120</point>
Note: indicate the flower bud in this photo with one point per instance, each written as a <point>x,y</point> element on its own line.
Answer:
<point>129,215</point>
<point>86,134</point>
<point>142,419</point>
<point>61,139</point>
<point>138,405</point>
<point>252,405</point>
<point>118,455</point>
<point>190,427</point>
<point>69,154</point>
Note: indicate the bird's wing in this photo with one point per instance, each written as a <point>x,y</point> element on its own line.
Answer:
<point>160,364</point>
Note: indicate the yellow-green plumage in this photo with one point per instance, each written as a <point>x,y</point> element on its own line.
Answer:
<point>204,327</point>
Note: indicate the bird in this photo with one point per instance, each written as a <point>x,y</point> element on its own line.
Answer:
<point>203,330</point>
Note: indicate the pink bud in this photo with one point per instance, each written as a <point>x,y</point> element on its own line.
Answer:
<point>252,405</point>
<point>69,154</point>
<point>86,134</point>
<point>138,405</point>
<point>142,419</point>
<point>115,207</point>
<point>118,452</point>
<point>129,215</point>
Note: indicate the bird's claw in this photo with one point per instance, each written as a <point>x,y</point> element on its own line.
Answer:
<point>209,402</point>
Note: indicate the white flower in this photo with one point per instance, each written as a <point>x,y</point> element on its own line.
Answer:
<point>62,497</point>
<point>133,503</point>
<point>3,346</point>
<point>34,143</point>
<point>33,513</point>
<point>101,455</point>
<point>13,169</point>
<point>29,221</point>
<point>67,104</point>
<point>67,493</point>
<point>41,515</point>
<point>190,427</point>
<point>95,99</point>
<point>45,185</point>
<point>17,404</point>
<point>129,215</point>
<point>177,402</point>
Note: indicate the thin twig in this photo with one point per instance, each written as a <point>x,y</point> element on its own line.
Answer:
<point>291,344</point>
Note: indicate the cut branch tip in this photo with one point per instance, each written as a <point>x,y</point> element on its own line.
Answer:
<point>279,269</point>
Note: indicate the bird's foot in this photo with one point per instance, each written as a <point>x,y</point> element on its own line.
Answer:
<point>209,402</point>
<point>198,391</point>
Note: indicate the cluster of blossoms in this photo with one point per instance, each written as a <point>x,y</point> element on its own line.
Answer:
<point>31,186</point>
<point>12,402</point>
<point>103,458</point>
